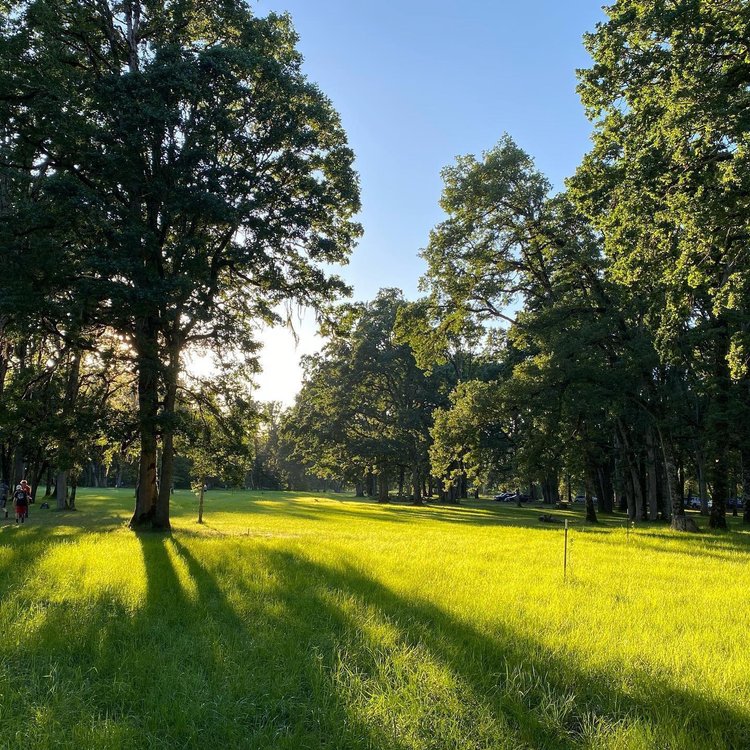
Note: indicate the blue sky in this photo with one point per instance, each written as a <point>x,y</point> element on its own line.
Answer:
<point>418,83</point>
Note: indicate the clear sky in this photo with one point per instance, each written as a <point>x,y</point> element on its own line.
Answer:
<point>417,83</point>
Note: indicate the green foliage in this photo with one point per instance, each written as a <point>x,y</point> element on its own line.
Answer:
<point>364,404</point>
<point>218,424</point>
<point>667,184</point>
<point>170,168</point>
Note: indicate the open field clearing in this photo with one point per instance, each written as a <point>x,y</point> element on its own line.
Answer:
<point>296,621</point>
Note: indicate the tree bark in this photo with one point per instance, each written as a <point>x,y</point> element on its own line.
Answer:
<point>590,508</point>
<point>200,499</point>
<point>148,407</point>
<point>61,489</point>
<point>383,487</point>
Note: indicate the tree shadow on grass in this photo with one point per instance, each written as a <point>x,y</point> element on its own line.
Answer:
<point>548,701</point>
<point>243,645</point>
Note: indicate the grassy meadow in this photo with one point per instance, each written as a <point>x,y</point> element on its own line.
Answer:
<point>302,621</point>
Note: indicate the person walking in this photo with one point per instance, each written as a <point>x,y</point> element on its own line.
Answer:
<point>21,503</point>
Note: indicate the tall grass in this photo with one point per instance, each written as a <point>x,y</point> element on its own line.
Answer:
<point>295,621</point>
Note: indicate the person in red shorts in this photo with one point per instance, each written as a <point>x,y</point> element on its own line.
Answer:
<point>21,502</point>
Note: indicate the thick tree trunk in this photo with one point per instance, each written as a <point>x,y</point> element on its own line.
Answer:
<point>401,475</point>
<point>383,487</point>
<point>148,407</point>
<point>606,488</point>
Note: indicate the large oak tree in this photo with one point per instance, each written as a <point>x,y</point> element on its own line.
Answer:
<point>201,177</point>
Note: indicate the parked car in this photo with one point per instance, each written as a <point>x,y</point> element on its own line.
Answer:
<point>582,499</point>
<point>735,502</point>
<point>503,497</point>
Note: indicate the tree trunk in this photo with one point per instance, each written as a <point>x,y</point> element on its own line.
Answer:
<point>148,406</point>
<point>61,489</point>
<point>200,499</point>
<point>401,474</point>
<point>383,487</point>
<point>606,487</point>
<point>590,508</point>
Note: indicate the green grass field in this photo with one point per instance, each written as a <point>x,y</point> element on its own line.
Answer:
<point>296,621</point>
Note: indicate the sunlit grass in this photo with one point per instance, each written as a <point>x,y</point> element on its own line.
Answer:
<point>303,621</point>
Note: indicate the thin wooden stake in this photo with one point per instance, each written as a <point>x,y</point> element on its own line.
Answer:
<point>565,557</point>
